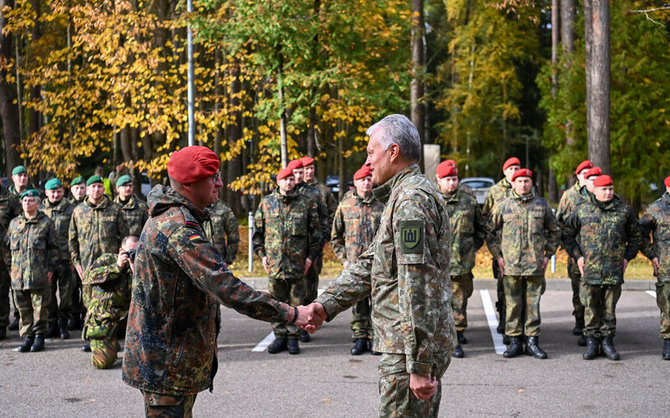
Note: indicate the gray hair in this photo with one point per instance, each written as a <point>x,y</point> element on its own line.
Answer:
<point>397,129</point>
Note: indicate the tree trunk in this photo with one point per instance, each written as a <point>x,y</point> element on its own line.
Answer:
<point>9,111</point>
<point>554,45</point>
<point>416,87</point>
<point>35,91</point>
<point>568,45</point>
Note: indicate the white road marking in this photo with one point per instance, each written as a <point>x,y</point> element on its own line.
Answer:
<point>652,293</point>
<point>493,321</point>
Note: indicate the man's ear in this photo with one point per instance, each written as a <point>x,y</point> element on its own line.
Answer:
<point>394,149</point>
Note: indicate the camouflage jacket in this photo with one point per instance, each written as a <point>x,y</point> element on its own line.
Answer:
<point>95,230</point>
<point>529,233</point>
<point>468,231</point>
<point>321,207</point>
<point>656,220</point>
<point>355,224</point>
<point>136,213</point>
<point>12,189</point>
<point>223,230</point>
<point>34,250</point>
<point>499,191</point>
<point>287,231</point>
<point>179,282</point>
<point>61,214</point>
<point>406,274</point>
<point>604,233</point>
<point>10,208</point>
<point>328,198</point>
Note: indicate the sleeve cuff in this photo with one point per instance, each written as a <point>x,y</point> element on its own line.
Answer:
<point>331,307</point>
<point>417,367</point>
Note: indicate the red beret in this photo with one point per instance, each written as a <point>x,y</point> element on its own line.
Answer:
<point>667,181</point>
<point>285,172</point>
<point>192,164</point>
<point>602,181</point>
<point>510,162</point>
<point>595,171</point>
<point>586,164</point>
<point>451,163</point>
<point>295,164</point>
<point>524,172</point>
<point>445,169</point>
<point>363,172</point>
<point>307,161</point>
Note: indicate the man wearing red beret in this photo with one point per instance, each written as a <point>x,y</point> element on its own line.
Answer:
<point>287,238</point>
<point>589,176</point>
<point>603,235</point>
<point>656,220</point>
<point>567,204</point>
<point>180,281</point>
<point>530,236</point>
<point>497,193</point>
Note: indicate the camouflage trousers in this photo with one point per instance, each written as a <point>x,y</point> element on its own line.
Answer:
<point>311,281</point>
<point>108,305</point>
<point>459,302</point>
<point>288,291</point>
<point>599,309</point>
<point>396,397</point>
<point>575,279</point>
<point>5,282</point>
<point>663,302</point>
<point>168,406</point>
<point>522,295</point>
<point>32,305</point>
<point>500,290</point>
<point>62,284</point>
<point>360,324</point>
<point>103,352</point>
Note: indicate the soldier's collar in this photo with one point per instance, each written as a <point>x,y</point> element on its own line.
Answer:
<point>383,192</point>
<point>524,198</point>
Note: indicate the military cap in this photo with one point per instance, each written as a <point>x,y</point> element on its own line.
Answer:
<point>307,161</point>
<point>667,181</point>
<point>30,193</point>
<point>451,163</point>
<point>123,180</point>
<point>585,165</point>
<point>94,179</point>
<point>285,172</point>
<point>362,172</point>
<point>52,184</point>
<point>445,169</point>
<point>77,180</point>
<point>602,181</point>
<point>18,170</point>
<point>524,172</point>
<point>510,162</point>
<point>193,164</point>
<point>295,164</point>
<point>595,171</point>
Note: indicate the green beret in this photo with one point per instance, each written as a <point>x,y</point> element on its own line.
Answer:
<point>53,184</point>
<point>18,170</point>
<point>30,193</point>
<point>77,180</point>
<point>123,180</point>
<point>94,179</point>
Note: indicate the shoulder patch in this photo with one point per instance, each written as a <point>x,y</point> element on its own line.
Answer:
<point>412,236</point>
<point>195,237</point>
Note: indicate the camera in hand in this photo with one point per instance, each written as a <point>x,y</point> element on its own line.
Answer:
<point>131,255</point>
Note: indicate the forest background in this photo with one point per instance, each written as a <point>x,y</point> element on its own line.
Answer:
<point>94,82</point>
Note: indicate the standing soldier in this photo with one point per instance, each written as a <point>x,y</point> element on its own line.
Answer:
<point>20,181</point>
<point>530,236</point>
<point>462,187</point>
<point>468,233</point>
<point>656,219</point>
<point>97,227</point>
<point>498,192</point>
<point>78,194</point>
<point>567,204</point>
<point>78,190</point>
<point>603,235</point>
<point>223,230</point>
<point>135,211</point>
<point>59,210</point>
<point>9,209</point>
<point>32,242</point>
<point>326,193</point>
<point>287,238</point>
<point>354,227</point>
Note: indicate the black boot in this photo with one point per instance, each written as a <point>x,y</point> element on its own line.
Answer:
<point>666,349</point>
<point>14,326</point>
<point>514,349</point>
<point>579,327</point>
<point>608,348</point>
<point>293,347</point>
<point>461,337</point>
<point>304,336</point>
<point>360,346</point>
<point>86,348</point>
<point>277,346</point>
<point>74,323</point>
<point>581,341</point>
<point>62,326</point>
<point>3,333</point>
<point>592,348</point>
<point>458,352</point>
<point>506,339</point>
<point>533,348</point>
<point>52,331</point>
<point>27,343</point>
<point>38,345</point>
<point>371,346</point>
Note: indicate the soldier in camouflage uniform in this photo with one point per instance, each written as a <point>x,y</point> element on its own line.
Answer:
<point>497,193</point>
<point>354,227</point>
<point>60,211</point>
<point>77,190</point>
<point>109,279</point>
<point>135,211</point>
<point>529,237</point>
<point>34,252</point>
<point>77,196</point>
<point>9,209</point>
<point>656,219</point>
<point>603,235</point>
<point>97,227</point>
<point>406,274</point>
<point>462,187</point>
<point>20,181</point>
<point>287,238</point>
<point>223,230</point>
<point>170,350</point>
<point>567,204</point>
<point>468,233</point>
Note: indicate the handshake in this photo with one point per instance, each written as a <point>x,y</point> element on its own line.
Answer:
<point>310,317</point>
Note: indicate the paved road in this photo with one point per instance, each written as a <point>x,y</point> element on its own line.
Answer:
<point>326,381</point>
